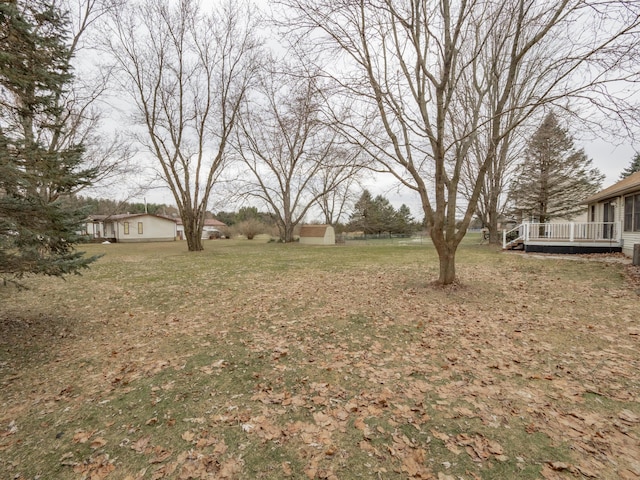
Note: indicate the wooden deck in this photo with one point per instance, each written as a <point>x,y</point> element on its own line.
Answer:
<point>571,237</point>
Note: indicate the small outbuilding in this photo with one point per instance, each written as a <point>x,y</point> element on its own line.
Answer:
<point>317,235</point>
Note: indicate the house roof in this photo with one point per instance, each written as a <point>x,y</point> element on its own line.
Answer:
<point>124,216</point>
<point>313,230</point>
<point>624,186</point>
<point>208,222</point>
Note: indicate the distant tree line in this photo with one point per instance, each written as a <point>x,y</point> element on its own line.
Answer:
<point>107,206</point>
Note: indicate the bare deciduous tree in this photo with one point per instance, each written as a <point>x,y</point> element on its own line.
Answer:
<point>80,107</point>
<point>187,72</point>
<point>424,75</point>
<point>296,158</point>
<point>77,110</point>
<point>334,203</point>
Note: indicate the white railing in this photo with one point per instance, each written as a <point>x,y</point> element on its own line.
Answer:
<point>509,237</point>
<point>566,232</point>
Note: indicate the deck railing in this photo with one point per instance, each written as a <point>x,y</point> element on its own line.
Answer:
<point>565,232</point>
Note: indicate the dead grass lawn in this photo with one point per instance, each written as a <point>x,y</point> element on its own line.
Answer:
<point>266,361</point>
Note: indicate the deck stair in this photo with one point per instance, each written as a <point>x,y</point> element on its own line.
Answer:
<point>513,239</point>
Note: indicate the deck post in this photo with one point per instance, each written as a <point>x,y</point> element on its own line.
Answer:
<point>504,238</point>
<point>571,231</point>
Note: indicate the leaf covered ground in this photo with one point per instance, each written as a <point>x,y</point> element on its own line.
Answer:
<point>267,361</point>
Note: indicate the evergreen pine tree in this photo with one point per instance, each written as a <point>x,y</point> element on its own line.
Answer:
<point>633,167</point>
<point>37,230</point>
<point>377,215</point>
<point>554,177</point>
<point>404,222</point>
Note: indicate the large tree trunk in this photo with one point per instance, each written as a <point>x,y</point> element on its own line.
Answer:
<point>446,249</point>
<point>288,236</point>
<point>194,241</point>
<point>494,234</point>
<point>285,224</point>
<point>192,231</point>
<point>286,232</point>
<point>447,260</point>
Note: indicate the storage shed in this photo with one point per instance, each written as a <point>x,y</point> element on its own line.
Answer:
<point>317,235</point>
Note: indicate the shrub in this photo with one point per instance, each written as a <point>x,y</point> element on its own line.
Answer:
<point>250,228</point>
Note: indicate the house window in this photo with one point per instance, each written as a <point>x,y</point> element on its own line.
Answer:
<point>632,213</point>
<point>139,228</point>
<point>126,228</point>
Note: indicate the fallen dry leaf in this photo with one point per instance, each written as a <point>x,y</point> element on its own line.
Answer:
<point>82,436</point>
<point>98,443</point>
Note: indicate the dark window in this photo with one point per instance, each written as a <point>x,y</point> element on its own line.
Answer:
<point>628,214</point>
<point>632,213</point>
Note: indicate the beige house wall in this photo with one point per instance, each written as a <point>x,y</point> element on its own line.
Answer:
<point>154,229</point>
<point>628,238</point>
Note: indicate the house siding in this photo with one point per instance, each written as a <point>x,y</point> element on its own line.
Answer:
<point>211,226</point>
<point>142,228</point>
<point>629,239</point>
<point>153,230</point>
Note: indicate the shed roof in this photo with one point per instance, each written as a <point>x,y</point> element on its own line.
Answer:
<point>313,230</point>
<point>624,186</point>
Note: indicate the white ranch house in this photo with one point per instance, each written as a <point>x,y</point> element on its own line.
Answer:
<point>212,229</point>
<point>612,225</point>
<point>131,227</point>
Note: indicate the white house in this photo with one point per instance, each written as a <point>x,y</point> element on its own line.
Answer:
<point>131,227</point>
<point>317,235</point>
<point>94,226</point>
<point>619,203</point>
<point>212,229</point>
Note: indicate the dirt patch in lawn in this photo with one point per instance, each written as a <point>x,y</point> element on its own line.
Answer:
<point>310,370</point>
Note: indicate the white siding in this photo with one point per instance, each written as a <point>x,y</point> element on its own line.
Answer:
<point>154,229</point>
<point>630,239</point>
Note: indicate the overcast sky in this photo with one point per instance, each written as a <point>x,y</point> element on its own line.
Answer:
<point>608,157</point>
